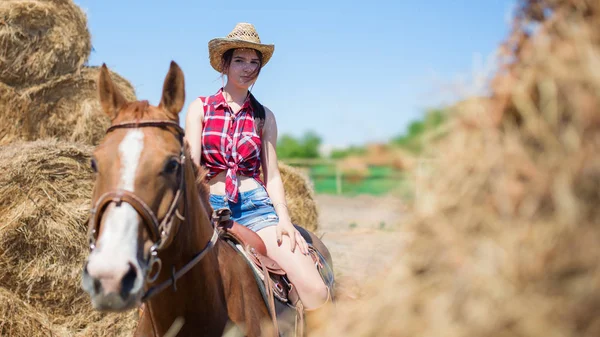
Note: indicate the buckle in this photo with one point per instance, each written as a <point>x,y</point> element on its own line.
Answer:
<point>278,287</point>
<point>221,215</point>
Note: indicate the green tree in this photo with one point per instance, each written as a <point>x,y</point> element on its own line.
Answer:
<point>306,146</point>
<point>352,150</point>
<point>311,142</point>
<point>411,140</point>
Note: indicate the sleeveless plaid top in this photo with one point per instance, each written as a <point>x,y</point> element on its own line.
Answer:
<point>230,142</point>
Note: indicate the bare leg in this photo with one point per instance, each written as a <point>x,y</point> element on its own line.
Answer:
<point>300,268</point>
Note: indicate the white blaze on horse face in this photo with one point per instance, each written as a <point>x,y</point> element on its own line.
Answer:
<point>130,151</point>
<point>118,242</point>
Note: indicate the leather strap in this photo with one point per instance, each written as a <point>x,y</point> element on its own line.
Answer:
<point>222,219</point>
<point>269,291</point>
<point>299,319</point>
<point>161,233</point>
<point>153,123</point>
<point>176,275</point>
<point>148,217</point>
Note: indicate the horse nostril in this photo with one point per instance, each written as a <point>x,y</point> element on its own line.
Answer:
<point>97,286</point>
<point>128,281</point>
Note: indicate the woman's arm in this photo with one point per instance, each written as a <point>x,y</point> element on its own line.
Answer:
<point>193,129</point>
<point>272,179</point>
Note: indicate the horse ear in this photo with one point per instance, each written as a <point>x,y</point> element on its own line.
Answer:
<point>111,99</point>
<point>173,95</point>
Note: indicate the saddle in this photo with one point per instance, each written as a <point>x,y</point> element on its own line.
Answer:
<point>271,278</point>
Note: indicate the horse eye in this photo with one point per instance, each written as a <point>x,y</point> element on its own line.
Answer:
<point>171,166</point>
<point>93,165</point>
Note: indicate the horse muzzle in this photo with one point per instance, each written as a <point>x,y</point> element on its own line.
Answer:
<point>113,289</point>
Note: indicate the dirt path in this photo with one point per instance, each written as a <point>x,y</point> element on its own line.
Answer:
<point>361,233</point>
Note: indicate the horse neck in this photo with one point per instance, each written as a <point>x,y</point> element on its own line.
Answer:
<point>197,230</point>
<point>199,297</point>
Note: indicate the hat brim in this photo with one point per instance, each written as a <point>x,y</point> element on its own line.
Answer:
<point>217,47</point>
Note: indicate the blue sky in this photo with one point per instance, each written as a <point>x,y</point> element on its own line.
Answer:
<point>353,73</point>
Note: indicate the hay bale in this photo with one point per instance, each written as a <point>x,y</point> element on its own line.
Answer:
<point>45,190</point>
<point>41,39</point>
<point>19,319</point>
<point>13,109</point>
<point>354,166</point>
<point>44,200</point>
<point>506,239</point>
<point>300,197</point>
<point>111,325</point>
<point>68,107</point>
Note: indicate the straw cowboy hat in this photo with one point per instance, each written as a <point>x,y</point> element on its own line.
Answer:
<point>243,35</point>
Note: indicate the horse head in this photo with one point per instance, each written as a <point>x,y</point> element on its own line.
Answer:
<point>137,201</point>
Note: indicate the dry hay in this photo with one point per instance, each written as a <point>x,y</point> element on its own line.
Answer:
<point>506,241</point>
<point>354,167</point>
<point>111,325</point>
<point>17,318</point>
<point>68,108</point>
<point>45,190</point>
<point>300,197</point>
<point>41,39</point>
<point>389,155</point>
<point>13,109</point>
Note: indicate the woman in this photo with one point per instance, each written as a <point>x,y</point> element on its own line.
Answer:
<point>228,136</point>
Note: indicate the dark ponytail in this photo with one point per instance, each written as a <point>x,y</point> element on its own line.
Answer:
<point>259,114</point>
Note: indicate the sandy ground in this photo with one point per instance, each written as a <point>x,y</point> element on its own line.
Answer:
<point>362,235</point>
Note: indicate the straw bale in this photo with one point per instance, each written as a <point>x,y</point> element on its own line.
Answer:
<point>505,239</point>
<point>68,108</point>
<point>45,188</point>
<point>354,167</point>
<point>41,39</point>
<point>13,109</point>
<point>17,318</point>
<point>300,197</point>
<point>378,155</point>
<point>110,325</point>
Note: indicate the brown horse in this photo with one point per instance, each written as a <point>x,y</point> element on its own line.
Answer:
<point>152,240</point>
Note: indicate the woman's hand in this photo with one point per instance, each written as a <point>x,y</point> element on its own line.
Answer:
<point>285,227</point>
<point>274,184</point>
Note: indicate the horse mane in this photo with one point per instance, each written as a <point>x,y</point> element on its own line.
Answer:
<point>202,186</point>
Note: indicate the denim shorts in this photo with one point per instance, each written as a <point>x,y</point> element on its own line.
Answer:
<point>254,208</point>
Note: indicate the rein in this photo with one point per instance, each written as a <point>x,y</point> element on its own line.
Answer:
<point>161,233</point>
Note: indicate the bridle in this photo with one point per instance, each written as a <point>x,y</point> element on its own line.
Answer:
<point>161,233</point>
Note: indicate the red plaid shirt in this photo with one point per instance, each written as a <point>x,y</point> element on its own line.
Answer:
<point>230,142</point>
